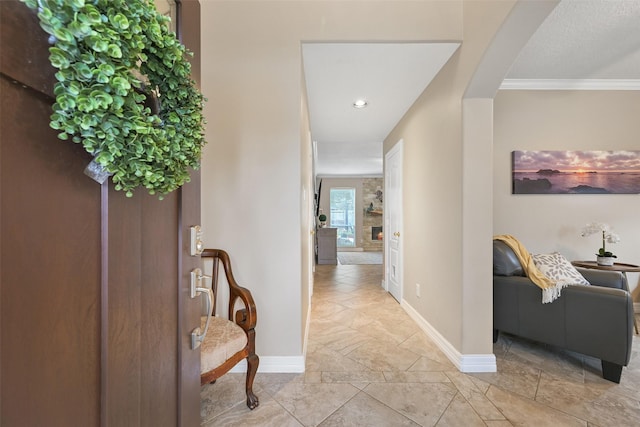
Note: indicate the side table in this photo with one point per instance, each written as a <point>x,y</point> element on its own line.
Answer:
<point>617,266</point>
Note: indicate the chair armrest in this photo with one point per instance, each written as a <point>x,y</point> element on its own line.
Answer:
<point>246,317</point>
<point>604,278</point>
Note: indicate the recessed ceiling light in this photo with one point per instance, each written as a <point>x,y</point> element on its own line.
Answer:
<point>360,103</point>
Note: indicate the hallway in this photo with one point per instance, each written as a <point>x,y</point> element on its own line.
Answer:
<point>368,364</point>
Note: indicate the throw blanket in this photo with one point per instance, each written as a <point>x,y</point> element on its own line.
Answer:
<point>550,289</point>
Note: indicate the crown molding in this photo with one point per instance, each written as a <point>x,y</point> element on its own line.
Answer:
<point>570,84</point>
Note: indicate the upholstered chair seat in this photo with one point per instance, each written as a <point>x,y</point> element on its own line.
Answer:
<point>223,340</point>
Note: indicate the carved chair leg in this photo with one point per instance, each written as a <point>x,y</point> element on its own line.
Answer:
<point>252,368</point>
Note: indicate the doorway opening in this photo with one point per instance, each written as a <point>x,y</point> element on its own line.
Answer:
<point>342,202</point>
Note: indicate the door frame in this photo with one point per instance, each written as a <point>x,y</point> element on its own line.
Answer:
<point>397,149</point>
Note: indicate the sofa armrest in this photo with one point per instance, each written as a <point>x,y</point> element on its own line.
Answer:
<point>604,278</point>
<point>599,322</point>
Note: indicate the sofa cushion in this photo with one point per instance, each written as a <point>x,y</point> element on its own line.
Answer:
<point>224,339</point>
<point>557,268</point>
<point>505,261</point>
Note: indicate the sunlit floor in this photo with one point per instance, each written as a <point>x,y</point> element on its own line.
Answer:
<point>368,364</point>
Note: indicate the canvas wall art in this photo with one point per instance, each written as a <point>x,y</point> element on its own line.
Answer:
<point>576,172</point>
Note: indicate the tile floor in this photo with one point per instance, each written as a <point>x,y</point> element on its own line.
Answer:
<point>368,364</point>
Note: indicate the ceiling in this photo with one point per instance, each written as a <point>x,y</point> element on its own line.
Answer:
<point>581,39</point>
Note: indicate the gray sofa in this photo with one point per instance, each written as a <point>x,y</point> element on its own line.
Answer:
<point>593,320</point>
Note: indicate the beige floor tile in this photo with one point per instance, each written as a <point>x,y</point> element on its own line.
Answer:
<point>525,412</point>
<point>598,406</point>
<point>424,403</point>
<point>474,394</point>
<point>226,393</point>
<point>421,344</point>
<point>343,339</point>
<point>272,383</point>
<point>429,365</point>
<point>353,377</point>
<point>325,359</point>
<point>514,377</point>
<point>415,377</point>
<point>326,309</point>
<point>460,413</point>
<point>268,414</point>
<point>383,356</point>
<point>312,376</point>
<point>355,319</point>
<point>554,361</point>
<point>312,403</point>
<point>395,330</point>
<point>363,410</point>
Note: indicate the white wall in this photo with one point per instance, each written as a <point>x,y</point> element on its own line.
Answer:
<point>251,167</point>
<point>566,120</point>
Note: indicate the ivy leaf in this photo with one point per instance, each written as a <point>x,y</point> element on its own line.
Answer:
<point>83,70</point>
<point>120,85</point>
<point>98,44</point>
<point>80,29</point>
<point>65,102</point>
<point>63,34</point>
<point>107,69</point>
<point>104,158</point>
<point>119,21</point>
<point>74,88</point>
<point>58,58</point>
<point>91,15</point>
<point>114,51</point>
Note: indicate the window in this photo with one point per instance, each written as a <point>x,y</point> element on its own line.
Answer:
<point>342,202</point>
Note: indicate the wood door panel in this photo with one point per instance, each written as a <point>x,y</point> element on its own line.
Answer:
<point>143,313</point>
<point>49,288</point>
<point>159,310</point>
<point>25,49</point>
<point>124,323</point>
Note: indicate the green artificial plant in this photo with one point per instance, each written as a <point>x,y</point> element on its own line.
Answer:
<point>124,90</point>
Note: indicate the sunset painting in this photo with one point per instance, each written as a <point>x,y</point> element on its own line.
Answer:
<point>576,172</point>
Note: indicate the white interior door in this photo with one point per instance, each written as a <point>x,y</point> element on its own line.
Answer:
<point>393,221</point>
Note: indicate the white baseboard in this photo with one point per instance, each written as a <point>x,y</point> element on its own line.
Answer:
<point>274,364</point>
<point>464,362</point>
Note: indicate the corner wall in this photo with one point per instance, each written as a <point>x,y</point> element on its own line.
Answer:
<point>433,186</point>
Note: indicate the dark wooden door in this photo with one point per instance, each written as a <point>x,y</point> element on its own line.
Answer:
<point>94,306</point>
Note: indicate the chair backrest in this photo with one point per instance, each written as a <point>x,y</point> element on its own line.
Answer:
<point>505,261</point>
<point>230,295</point>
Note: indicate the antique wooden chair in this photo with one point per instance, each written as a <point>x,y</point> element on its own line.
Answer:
<point>229,340</point>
